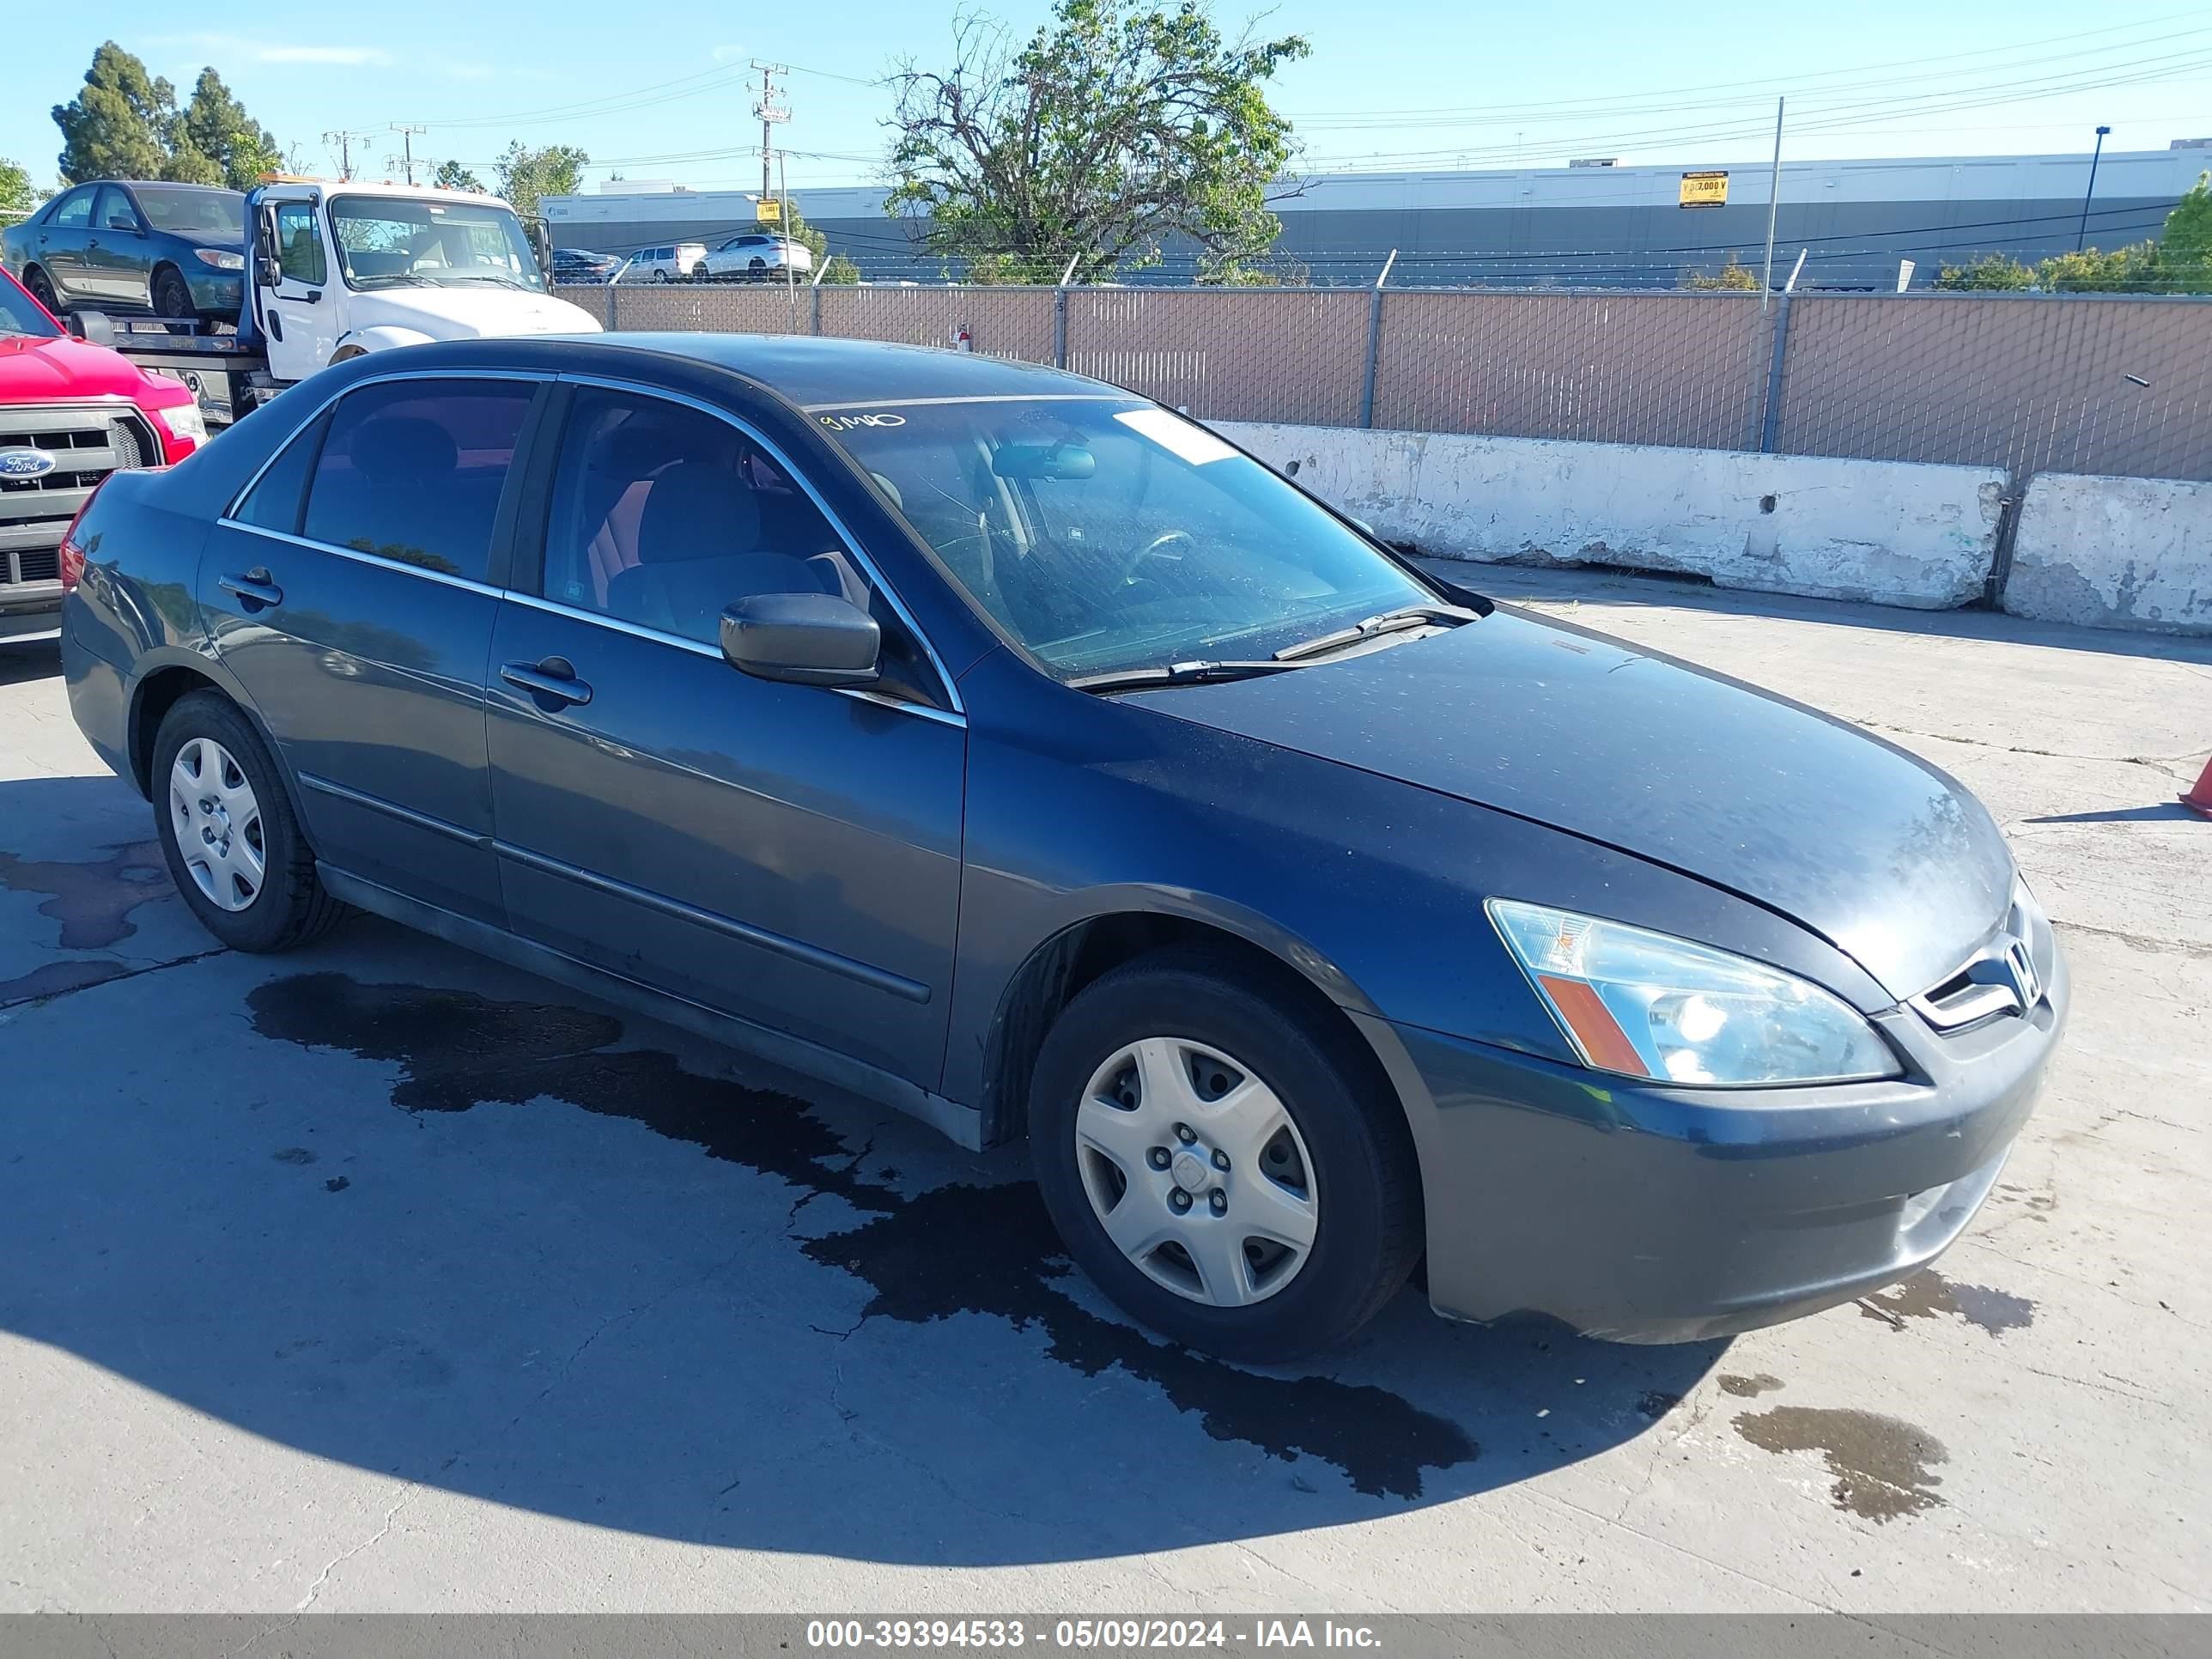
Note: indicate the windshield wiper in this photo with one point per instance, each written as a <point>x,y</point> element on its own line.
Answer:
<point>499,276</point>
<point>1178,673</point>
<point>1390,622</point>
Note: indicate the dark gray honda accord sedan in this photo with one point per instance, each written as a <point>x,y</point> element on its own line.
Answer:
<point>1004,747</point>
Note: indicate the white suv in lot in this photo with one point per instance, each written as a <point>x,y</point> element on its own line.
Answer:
<point>758,255</point>
<point>664,264</point>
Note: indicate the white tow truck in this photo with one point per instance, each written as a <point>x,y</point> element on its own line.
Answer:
<point>336,269</point>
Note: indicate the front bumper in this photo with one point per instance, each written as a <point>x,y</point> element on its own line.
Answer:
<point>216,290</point>
<point>28,609</point>
<point>1645,1214</point>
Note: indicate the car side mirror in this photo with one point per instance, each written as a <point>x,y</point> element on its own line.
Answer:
<point>541,244</point>
<point>805,638</point>
<point>93,327</point>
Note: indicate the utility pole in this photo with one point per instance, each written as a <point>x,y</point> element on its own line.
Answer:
<point>344,141</point>
<point>406,148</point>
<point>770,112</point>
<point>2082,234</point>
<point>1773,208</point>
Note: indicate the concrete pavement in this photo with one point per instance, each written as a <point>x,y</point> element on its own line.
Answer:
<point>380,1277</point>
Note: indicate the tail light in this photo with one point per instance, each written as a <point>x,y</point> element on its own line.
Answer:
<point>72,552</point>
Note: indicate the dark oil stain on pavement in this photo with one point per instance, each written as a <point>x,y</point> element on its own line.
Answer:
<point>93,902</point>
<point>1881,1466</point>
<point>1750,1388</point>
<point>956,1250</point>
<point>1928,1293</point>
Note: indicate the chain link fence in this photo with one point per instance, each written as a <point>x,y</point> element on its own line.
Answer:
<point>2026,382</point>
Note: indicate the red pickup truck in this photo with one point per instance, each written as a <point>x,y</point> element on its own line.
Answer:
<point>69,415</point>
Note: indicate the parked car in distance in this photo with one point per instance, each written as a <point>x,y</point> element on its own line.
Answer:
<point>70,415</point>
<point>131,245</point>
<point>670,262</point>
<point>999,745</point>
<point>581,264</point>
<point>758,255</point>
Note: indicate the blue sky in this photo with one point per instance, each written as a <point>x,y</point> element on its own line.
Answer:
<point>660,89</point>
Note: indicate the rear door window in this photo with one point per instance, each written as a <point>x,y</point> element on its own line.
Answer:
<point>74,212</point>
<point>412,470</point>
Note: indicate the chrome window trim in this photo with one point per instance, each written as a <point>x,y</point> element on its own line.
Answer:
<point>228,515</point>
<point>360,557</point>
<point>645,389</point>
<point>701,648</point>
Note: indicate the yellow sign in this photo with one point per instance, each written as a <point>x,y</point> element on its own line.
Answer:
<point>770,210</point>
<point>1705,189</point>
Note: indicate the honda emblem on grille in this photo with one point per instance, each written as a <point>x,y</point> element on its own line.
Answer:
<point>25,463</point>
<point>2026,984</point>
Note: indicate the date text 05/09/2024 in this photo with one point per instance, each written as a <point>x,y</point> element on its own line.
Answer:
<point>988,1635</point>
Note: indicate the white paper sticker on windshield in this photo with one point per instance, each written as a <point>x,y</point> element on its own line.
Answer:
<point>1191,443</point>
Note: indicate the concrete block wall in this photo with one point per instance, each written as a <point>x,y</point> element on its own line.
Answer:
<point>1892,532</point>
<point>2132,553</point>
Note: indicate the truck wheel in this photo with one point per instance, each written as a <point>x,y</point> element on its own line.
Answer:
<point>1227,1169</point>
<point>172,297</point>
<point>41,289</point>
<point>226,830</point>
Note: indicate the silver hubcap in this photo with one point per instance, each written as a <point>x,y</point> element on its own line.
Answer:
<point>217,823</point>
<point>1196,1172</point>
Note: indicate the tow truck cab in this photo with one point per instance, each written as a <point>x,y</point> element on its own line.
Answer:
<point>343,267</point>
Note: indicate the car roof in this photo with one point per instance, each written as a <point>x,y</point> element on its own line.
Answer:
<point>815,373</point>
<point>165,184</point>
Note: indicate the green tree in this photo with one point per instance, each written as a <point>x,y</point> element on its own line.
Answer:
<point>452,175</point>
<point>1734,276</point>
<point>525,175</point>
<point>119,126</point>
<point>2088,270</point>
<point>18,194</point>
<point>1119,124</point>
<point>841,271</point>
<point>216,128</point>
<point>2184,247</point>
<point>1997,273</point>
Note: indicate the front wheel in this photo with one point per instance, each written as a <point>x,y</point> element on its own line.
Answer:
<point>227,833</point>
<point>172,296</point>
<point>1232,1173</point>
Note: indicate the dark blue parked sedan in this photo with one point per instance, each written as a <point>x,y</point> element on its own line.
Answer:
<point>1004,747</point>
<point>131,245</point>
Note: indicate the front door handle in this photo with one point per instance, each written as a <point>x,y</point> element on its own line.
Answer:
<point>256,587</point>
<point>553,677</point>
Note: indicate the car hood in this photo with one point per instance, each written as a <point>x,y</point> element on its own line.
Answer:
<point>1883,855</point>
<point>468,313</point>
<point>34,370</point>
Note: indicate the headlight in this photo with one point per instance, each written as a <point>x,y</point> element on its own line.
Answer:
<point>184,421</point>
<point>1646,1004</point>
<point>220,261</point>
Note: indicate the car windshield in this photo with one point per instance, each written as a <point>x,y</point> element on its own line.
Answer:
<point>20,314</point>
<point>1110,535</point>
<point>217,214</point>
<point>388,241</point>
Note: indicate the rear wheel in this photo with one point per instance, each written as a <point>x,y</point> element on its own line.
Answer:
<point>42,290</point>
<point>227,833</point>
<point>1229,1174</point>
<point>172,297</point>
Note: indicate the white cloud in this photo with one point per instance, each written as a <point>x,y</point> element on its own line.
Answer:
<point>728,54</point>
<point>346,57</point>
<point>239,47</point>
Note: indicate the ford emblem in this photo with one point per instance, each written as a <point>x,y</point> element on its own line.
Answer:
<point>25,463</point>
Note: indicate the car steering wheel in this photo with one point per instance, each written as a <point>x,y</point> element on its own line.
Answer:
<point>1150,548</point>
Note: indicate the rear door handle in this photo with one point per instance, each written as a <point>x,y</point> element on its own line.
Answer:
<point>553,677</point>
<point>256,587</point>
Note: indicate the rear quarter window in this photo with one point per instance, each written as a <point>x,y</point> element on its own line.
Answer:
<point>412,470</point>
